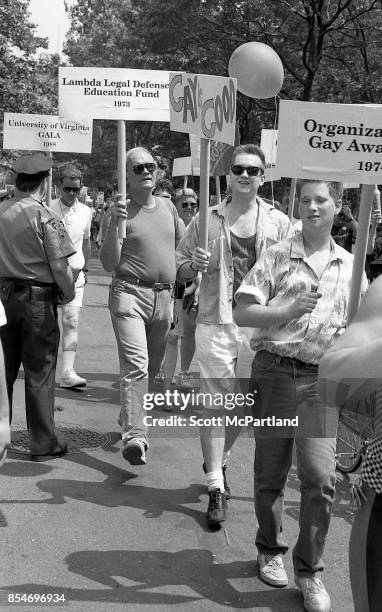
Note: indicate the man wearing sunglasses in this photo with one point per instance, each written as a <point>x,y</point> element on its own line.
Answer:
<point>240,229</point>
<point>77,218</point>
<point>143,266</point>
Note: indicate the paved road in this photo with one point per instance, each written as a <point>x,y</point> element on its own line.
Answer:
<point>110,537</point>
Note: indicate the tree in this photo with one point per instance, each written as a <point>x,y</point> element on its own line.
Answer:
<point>28,83</point>
<point>329,48</point>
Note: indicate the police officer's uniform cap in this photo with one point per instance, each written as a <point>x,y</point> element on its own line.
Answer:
<point>32,164</point>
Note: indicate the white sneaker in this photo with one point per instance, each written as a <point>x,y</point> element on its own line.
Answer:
<point>184,380</point>
<point>316,597</point>
<point>160,376</point>
<point>272,569</point>
<point>70,379</point>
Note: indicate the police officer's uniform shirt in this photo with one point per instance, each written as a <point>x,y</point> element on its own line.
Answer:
<point>30,237</point>
<point>77,220</point>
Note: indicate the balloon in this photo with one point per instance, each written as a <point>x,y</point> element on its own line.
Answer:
<point>258,70</point>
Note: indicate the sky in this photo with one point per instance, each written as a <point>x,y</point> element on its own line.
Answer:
<point>51,21</point>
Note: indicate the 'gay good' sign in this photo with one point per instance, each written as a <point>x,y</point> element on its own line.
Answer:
<point>203,105</point>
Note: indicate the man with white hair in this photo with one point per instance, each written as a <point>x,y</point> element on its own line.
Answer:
<point>143,266</point>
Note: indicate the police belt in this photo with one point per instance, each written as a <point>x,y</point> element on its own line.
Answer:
<point>21,283</point>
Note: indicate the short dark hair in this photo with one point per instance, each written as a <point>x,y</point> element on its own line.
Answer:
<point>30,182</point>
<point>164,185</point>
<point>69,171</point>
<point>335,188</point>
<point>250,149</point>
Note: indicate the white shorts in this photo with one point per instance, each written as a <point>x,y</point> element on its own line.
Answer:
<point>223,355</point>
<point>79,296</point>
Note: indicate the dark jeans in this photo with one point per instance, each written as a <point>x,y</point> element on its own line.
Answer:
<point>31,338</point>
<point>365,554</point>
<point>286,389</point>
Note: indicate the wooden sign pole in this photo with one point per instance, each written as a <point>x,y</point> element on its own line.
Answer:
<point>204,196</point>
<point>122,173</point>
<point>367,193</point>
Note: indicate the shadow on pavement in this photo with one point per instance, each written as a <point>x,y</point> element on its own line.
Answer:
<point>131,574</point>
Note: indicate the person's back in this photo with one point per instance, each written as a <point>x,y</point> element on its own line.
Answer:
<point>33,266</point>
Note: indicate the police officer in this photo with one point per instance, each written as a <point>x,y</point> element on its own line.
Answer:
<point>34,275</point>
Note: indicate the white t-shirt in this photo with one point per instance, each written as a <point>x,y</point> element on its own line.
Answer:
<point>77,220</point>
<point>3,318</point>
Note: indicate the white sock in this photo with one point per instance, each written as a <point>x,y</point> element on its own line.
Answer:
<point>215,480</point>
<point>68,358</point>
<point>225,457</point>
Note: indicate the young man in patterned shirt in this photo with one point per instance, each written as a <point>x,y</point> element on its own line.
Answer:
<point>297,296</point>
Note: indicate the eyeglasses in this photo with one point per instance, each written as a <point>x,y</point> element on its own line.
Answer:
<point>188,204</point>
<point>251,170</point>
<point>150,167</point>
<point>71,189</point>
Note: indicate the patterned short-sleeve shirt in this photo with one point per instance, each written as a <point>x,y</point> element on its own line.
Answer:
<point>283,272</point>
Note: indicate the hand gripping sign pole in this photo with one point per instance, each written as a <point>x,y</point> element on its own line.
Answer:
<point>122,173</point>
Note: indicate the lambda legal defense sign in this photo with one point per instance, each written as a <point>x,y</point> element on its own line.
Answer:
<point>46,133</point>
<point>113,93</point>
<point>203,105</point>
<point>331,141</point>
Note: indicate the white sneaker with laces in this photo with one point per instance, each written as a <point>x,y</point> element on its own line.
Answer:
<point>184,380</point>
<point>71,379</point>
<point>272,569</point>
<point>316,597</point>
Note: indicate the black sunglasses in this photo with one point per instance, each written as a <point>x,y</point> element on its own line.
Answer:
<point>150,167</point>
<point>71,189</point>
<point>187,204</point>
<point>251,170</point>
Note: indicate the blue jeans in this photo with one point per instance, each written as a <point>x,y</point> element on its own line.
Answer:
<point>287,388</point>
<point>141,320</point>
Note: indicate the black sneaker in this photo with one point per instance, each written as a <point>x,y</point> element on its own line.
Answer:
<point>217,507</point>
<point>227,490</point>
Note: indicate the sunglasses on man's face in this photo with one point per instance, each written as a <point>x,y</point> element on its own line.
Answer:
<point>71,189</point>
<point>188,204</point>
<point>139,168</point>
<point>251,170</point>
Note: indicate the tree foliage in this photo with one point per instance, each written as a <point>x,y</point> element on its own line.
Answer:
<point>28,81</point>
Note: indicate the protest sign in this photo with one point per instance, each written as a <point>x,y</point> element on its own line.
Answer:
<point>268,145</point>
<point>113,93</point>
<point>220,155</point>
<point>181,166</point>
<point>340,142</point>
<point>28,132</point>
<point>204,105</point>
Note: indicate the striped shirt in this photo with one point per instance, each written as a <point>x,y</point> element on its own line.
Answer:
<point>283,272</point>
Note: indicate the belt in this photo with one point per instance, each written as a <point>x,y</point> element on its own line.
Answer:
<point>298,362</point>
<point>292,360</point>
<point>24,282</point>
<point>133,280</point>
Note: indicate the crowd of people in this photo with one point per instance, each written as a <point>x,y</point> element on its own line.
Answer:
<point>263,308</point>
